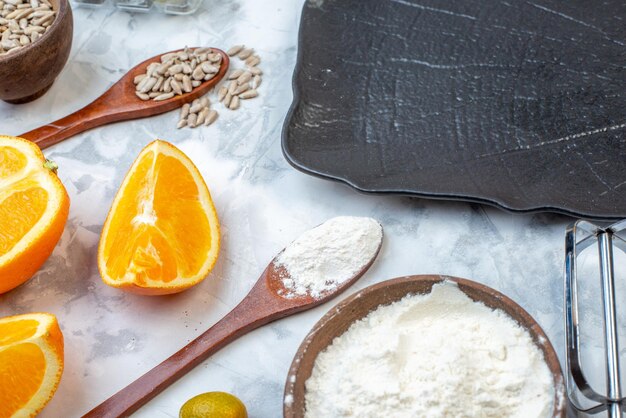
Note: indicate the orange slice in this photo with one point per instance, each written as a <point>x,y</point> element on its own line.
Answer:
<point>162,233</point>
<point>33,210</point>
<point>31,363</point>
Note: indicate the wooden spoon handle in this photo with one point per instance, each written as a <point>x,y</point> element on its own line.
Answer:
<point>93,115</point>
<point>253,312</point>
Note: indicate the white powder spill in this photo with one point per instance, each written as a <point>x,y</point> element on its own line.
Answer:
<point>434,355</point>
<point>326,256</point>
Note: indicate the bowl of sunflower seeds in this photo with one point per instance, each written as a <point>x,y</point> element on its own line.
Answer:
<point>35,43</point>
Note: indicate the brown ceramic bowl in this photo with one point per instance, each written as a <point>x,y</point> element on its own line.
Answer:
<point>338,319</point>
<point>29,72</point>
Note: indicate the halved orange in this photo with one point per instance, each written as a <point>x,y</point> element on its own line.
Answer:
<point>33,210</point>
<point>162,233</point>
<point>31,363</point>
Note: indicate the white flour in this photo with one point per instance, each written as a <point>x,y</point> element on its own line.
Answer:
<point>326,256</point>
<point>435,355</point>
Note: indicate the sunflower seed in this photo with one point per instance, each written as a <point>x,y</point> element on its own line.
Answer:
<point>234,50</point>
<point>256,81</point>
<point>255,70</point>
<point>13,14</point>
<point>175,69</point>
<point>222,93</point>
<point>208,68</point>
<point>202,116</point>
<point>210,118</point>
<point>187,87</point>
<point>208,77</point>
<point>204,101</point>
<point>142,96</point>
<point>227,99</point>
<point>164,96</point>
<point>138,78</point>
<point>232,86</point>
<point>249,94</point>
<point>234,103</point>
<point>184,111</point>
<point>168,57</point>
<point>241,89</point>
<point>42,13</point>
<point>191,120</point>
<point>181,123</point>
<point>253,61</point>
<point>176,87</point>
<point>158,84</point>
<point>162,69</point>
<point>245,53</point>
<point>196,107</point>
<point>154,94</point>
<point>244,78</point>
<point>148,84</point>
<point>235,74</point>
<point>43,20</point>
<point>215,58</point>
<point>198,74</point>
<point>179,76</point>
<point>167,85</point>
<point>186,68</point>
<point>195,83</point>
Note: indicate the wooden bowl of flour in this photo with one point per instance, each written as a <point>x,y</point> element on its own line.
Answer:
<point>337,321</point>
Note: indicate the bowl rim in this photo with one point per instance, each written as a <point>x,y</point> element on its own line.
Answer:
<point>487,295</point>
<point>64,7</point>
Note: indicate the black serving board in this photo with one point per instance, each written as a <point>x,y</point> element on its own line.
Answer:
<point>521,105</point>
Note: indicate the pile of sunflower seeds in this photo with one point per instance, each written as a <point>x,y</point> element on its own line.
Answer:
<point>177,73</point>
<point>22,22</point>
<point>197,113</point>
<point>240,84</point>
<point>243,82</point>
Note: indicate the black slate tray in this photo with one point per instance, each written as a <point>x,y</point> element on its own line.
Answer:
<point>516,104</point>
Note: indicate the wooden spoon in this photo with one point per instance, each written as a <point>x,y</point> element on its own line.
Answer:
<point>262,305</point>
<point>119,103</point>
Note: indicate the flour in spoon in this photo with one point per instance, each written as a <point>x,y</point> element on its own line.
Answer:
<point>435,355</point>
<point>326,256</point>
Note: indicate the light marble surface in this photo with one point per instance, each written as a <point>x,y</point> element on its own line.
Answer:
<point>111,337</point>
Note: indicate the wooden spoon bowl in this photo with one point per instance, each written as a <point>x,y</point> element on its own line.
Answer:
<point>339,319</point>
<point>120,103</point>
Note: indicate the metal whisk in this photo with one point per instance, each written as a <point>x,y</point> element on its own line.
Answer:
<point>579,236</point>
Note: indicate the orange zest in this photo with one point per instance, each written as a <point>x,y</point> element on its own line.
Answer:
<point>33,210</point>
<point>31,363</point>
<point>161,235</point>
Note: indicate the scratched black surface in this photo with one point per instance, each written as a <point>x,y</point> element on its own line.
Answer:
<point>517,104</point>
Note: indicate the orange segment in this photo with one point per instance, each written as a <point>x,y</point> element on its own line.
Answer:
<point>33,210</point>
<point>31,203</point>
<point>31,363</point>
<point>162,233</point>
<point>20,329</point>
<point>12,161</point>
